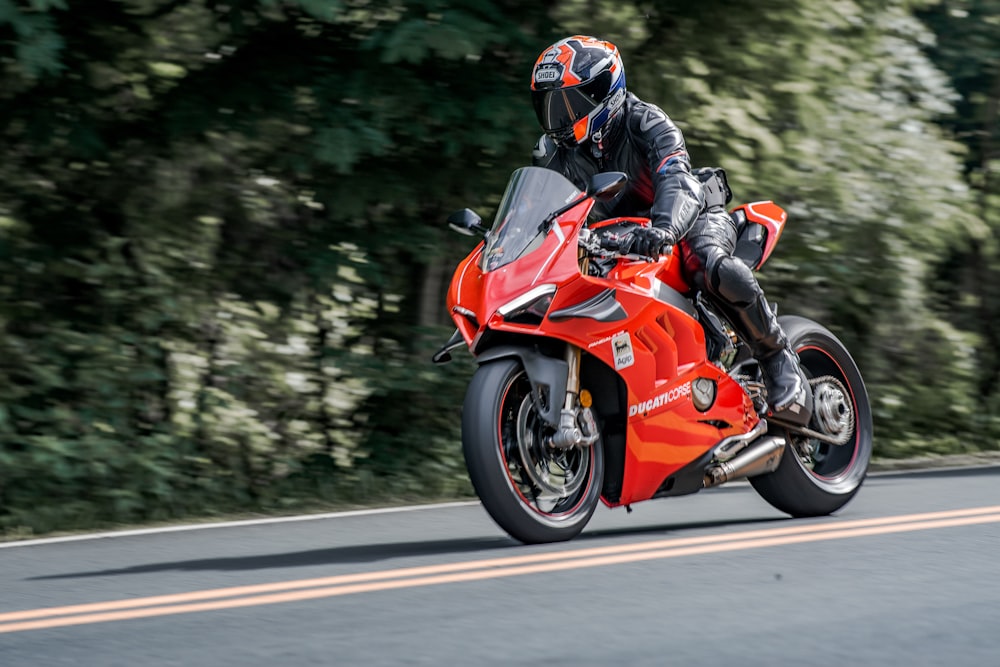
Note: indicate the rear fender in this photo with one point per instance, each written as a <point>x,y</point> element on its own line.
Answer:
<point>547,375</point>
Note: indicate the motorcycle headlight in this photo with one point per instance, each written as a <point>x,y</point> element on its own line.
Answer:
<point>530,307</point>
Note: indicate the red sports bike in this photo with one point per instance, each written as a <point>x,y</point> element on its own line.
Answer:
<point>607,377</point>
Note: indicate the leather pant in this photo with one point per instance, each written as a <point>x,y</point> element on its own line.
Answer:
<point>707,251</point>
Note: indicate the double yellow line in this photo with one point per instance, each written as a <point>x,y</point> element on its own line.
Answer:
<point>491,568</point>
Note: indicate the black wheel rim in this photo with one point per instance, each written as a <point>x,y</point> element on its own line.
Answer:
<point>553,483</point>
<point>839,413</point>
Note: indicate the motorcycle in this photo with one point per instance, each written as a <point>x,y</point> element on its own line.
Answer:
<point>605,377</point>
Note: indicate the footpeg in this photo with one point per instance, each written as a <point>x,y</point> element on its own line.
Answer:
<point>799,411</point>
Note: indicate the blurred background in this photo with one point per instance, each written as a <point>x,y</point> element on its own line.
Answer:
<point>223,258</point>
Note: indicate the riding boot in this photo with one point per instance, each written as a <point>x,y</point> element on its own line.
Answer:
<point>787,386</point>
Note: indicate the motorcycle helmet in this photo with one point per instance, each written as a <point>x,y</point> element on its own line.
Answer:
<point>577,86</point>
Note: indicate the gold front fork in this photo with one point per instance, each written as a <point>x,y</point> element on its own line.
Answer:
<point>573,352</point>
<point>584,259</point>
<point>573,414</point>
<point>572,377</point>
<point>577,427</point>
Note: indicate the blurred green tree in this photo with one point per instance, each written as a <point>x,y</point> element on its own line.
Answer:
<point>967,47</point>
<point>219,224</point>
<point>222,263</point>
<point>830,109</point>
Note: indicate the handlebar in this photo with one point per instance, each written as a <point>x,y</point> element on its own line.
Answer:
<point>606,244</point>
<point>596,243</point>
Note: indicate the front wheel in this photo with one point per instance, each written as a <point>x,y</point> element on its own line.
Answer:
<point>816,477</point>
<point>535,492</point>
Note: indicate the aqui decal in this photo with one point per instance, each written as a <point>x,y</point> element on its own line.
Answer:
<point>621,347</point>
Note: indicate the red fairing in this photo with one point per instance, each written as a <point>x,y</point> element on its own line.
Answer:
<point>658,349</point>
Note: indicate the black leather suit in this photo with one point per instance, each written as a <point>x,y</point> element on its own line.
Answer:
<point>645,144</point>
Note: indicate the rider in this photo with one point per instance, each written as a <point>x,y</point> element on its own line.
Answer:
<point>593,125</point>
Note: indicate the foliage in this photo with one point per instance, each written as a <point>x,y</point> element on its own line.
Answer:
<point>212,219</point>
<point>968,48</point>
<point>222,266</point>
<point>840,130</point>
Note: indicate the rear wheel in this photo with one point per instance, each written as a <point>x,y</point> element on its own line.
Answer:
<point>817,477</point>
<point>535,492</point>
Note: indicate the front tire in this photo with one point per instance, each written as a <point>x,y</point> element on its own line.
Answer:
<point>816,478</point>
<point>533,491</point>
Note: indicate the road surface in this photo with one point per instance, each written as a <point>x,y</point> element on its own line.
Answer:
<point>906,574</point>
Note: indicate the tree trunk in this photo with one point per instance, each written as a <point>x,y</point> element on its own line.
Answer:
<point>431,310</point>
<point>322,379</point>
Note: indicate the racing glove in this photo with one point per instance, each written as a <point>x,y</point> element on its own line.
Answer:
<point>647,242</point>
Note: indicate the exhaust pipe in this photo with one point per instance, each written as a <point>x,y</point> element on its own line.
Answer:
<point>759,457</point>
<point>734,444</point>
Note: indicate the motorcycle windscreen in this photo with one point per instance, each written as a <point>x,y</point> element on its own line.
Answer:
<point>532,194</point>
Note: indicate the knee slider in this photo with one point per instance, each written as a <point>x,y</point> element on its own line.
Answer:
<point>733,281</point>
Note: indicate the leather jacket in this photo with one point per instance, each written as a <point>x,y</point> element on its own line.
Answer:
<point>644,143</point>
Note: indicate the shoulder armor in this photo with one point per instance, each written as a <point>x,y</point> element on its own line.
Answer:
<point>645,119</point>
<point>649,126</point>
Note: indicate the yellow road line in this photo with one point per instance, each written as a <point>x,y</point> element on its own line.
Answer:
<point>309,589</point>
<point>478,564</point>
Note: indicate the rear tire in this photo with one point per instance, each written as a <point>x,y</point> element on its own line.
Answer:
<point>816,478</point>
<point>534,492</point>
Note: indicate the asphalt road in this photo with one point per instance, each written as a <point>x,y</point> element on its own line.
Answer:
<point>905,575</point>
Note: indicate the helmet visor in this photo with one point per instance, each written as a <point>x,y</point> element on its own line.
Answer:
<point>558,109</point>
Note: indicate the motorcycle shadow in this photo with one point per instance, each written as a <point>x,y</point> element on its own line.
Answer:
<point>313,557</point>
<point>394,550</point>
<point>675,529</point>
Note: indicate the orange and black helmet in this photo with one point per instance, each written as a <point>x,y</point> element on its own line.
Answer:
<point>577,86</point>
